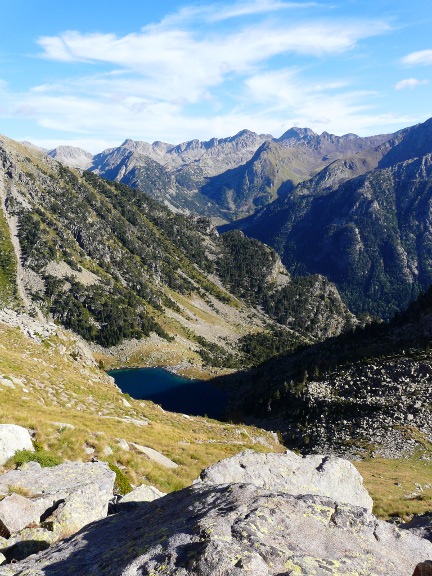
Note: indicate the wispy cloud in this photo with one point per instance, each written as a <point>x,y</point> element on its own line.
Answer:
<point>193,75</point>
<point>422,57</point>
<point>258,7</point>
<point>410,83</point>
<point>182,64</point>
<point>220,12</point>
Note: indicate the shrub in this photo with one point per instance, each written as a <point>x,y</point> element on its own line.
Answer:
<point>44,458</point>
<point>121,485</point>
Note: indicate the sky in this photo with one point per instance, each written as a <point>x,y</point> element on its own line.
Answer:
<point>92,74</point>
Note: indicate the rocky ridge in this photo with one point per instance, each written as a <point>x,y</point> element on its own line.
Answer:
<point>222,178</point>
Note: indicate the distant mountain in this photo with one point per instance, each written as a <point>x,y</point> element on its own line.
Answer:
<point>115,266</point>
<point>329,144</point>
<point>72,156</point>
<point>175,174</point>
<point>363,222</point>
<point>224,179</point>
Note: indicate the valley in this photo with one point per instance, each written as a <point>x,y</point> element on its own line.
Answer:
<point>318,339</point>
<point>216,288</point>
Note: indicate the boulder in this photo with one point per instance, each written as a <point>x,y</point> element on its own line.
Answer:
<point>233,530</point>
<point>143,493</point>
<point>26,542</point>
<point>318,475</point>
<point>17,512</point>
<point>155,456</point>
<point>12,439</point>
<point>70,495</point>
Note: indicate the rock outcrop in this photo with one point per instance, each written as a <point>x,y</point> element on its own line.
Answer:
<point>42,505</point>
<point>256,514</point>
<point>234,529</point>
<point>292,474</point>
<point>12,439</point>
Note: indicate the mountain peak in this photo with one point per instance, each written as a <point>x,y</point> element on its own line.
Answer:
<point>72,156</point>
<point>296,133</point>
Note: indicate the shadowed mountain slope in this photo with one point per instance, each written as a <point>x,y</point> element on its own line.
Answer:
<point>363,222</point>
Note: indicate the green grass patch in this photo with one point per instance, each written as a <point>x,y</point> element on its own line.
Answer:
<point>121,484</point>
<point>42,457</point>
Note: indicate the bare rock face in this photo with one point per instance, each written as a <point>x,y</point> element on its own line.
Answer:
<point>231,530</point>
<point>52,503</point>
<point>317,475</point>
<point>12,439</point>
<point>16,512</point>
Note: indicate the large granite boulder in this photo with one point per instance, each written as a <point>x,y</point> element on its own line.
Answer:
<point>318,475</point>
<point>17,512</point>
<point>52,502</point>
<point>233,530</point>
<point>12,439</point>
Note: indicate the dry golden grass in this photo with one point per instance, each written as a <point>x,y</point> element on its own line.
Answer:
<point>400,487</point>
<point>73,407</point>
<point>53,386</point>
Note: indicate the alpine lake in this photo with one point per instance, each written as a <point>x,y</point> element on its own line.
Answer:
<point>172,392</point>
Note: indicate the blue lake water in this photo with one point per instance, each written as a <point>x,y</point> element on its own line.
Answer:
<point>172,392</point>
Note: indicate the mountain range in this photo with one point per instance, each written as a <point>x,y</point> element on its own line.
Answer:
<point>363,222</point>
<point>95,273</point>
<point>114,265</point>
<point>225,178</point>
<point>352,209</point>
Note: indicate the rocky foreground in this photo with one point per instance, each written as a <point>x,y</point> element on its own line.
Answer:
<point>257,514</point>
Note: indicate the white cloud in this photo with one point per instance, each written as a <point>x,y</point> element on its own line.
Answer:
<point>410,83</point>
<point>258,7</point>
<point>166,64</point>
<point>332,106</point>
<point>423,57</point>
<point>177,80</point>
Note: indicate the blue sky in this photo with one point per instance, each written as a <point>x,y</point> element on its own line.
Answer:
<point>95,73</point>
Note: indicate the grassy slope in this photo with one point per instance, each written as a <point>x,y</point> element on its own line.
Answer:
<point>57,387</point>
<point>398,487</point>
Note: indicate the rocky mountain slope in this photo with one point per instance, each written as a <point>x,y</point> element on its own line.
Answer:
<point>174,174</point>
<point>72,156</point>
<point>363,222</point>
<point>364,394</point>
<point>114,265</point>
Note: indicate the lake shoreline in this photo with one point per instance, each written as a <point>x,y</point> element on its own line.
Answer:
<point>175,393</point>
